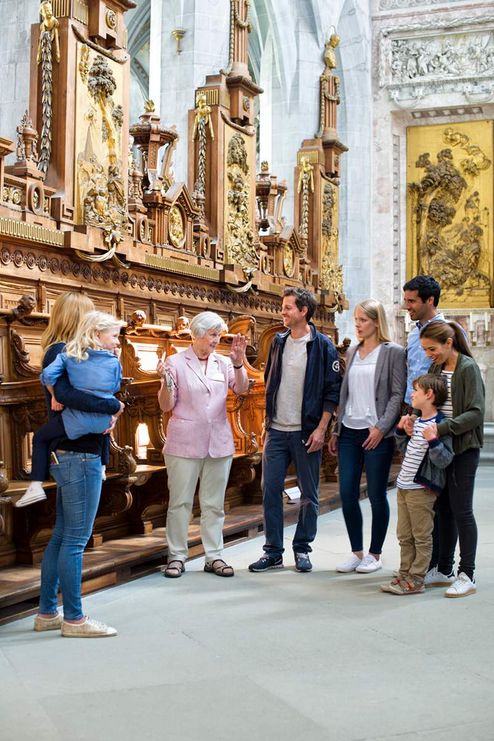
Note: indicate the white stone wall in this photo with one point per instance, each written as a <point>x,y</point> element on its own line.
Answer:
<point>173,77</point>
<point>15,49</point>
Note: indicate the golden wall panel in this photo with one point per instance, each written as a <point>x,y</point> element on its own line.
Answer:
<point>100,162</point>
<point>449,209</point>
<point>239,200</point>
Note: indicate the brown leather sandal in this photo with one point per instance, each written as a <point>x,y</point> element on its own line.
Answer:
<point>219,567</point>
<point>174,569</point>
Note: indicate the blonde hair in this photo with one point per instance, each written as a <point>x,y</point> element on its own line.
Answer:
<point>375,311</point>
<point>65,317</point>
<point>85,337</point>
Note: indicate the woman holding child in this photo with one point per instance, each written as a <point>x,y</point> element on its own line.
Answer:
<point>75,465</point>
<point>370,401</point>
<point>445,344</point>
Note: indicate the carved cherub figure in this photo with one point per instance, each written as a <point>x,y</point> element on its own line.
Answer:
<point>182,327</point>
<point>306,175</point>
<point>203,116</point>
<point>49,24</point>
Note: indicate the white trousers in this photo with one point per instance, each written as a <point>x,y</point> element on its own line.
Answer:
<point>183,474</point>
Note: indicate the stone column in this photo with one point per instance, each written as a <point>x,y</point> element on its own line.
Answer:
<point>174,76</point>
<point>15,49</point>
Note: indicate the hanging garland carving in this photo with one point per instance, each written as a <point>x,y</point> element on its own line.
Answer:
<point>47,40</point>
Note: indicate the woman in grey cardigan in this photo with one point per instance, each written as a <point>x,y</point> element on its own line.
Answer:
<point>370,403</point>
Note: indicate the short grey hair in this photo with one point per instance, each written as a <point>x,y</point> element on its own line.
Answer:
<point>205,321</point>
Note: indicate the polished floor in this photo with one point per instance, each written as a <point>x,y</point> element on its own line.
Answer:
<point>280,656</point>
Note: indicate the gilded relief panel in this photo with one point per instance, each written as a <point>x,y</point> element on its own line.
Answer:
<point>240,243</point>
<point>449,209</point>
<point>100,192</point>
<point>331,271</point>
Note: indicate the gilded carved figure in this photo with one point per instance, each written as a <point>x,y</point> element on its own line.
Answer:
<point>202,124</point>
<point>450,227</point>
<point>176,231</point>
<point>48,47</point>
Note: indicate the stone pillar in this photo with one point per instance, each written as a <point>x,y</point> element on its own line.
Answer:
<point>175,76</point>
<point>17,18</point>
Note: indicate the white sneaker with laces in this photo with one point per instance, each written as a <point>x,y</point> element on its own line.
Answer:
<point>461,587</point>
<point>435,578</point>
<point>88,629</point>
<point>369,564</point>
<point>34,493</point>
<point>349,565</point>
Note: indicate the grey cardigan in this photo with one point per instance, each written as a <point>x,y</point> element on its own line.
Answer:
<point>389,384</point>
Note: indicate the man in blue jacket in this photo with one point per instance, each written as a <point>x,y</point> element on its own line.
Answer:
<point>303,381</point>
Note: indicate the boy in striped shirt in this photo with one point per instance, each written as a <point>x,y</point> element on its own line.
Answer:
<point>421,479</point>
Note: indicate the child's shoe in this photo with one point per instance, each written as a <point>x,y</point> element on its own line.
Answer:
<point>389,587</point>
<point>34,493</point>
<point>407,586</point>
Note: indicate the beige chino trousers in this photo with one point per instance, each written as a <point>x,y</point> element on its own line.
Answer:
<point>414,530</point>
<point>183,475</point>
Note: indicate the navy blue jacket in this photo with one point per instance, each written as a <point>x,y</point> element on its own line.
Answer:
<point>322,379</point>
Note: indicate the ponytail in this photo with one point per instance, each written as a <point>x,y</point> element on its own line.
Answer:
<point>443,331</point>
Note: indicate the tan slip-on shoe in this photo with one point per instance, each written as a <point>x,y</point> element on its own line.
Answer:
<point>88,629</point>
<point>53,623</point>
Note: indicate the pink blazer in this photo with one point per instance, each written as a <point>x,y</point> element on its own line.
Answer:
<point>199,425</point>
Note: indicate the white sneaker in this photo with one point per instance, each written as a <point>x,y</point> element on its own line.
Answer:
<point>461,587</point>
<point>349,565</point>
<point>88,629</point>
<point>435,578</point>
<point>34,493</point>
<point>369,564</point>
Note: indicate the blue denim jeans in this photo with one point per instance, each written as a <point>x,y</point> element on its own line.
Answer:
<point>352,458</point>
<point>281,449</point>
<point>78,477</point>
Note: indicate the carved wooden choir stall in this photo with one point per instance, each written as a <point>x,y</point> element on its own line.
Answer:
<point>88,202</point>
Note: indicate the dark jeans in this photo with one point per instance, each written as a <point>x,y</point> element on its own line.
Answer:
<point>42,440</point>
<point>281,449</point>
<point>352,458</point>
<point>455,514</point>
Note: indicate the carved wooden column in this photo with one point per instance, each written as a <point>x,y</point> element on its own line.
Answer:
<point>317,186</point>
<point>222,157</point>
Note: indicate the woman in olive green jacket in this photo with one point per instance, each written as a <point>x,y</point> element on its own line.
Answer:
<point>445,344</point>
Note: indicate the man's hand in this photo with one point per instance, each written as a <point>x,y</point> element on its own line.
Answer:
<point>316,440</point>
<point>373,438</point>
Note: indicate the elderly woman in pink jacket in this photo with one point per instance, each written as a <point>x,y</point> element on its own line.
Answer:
<point>199,439</point>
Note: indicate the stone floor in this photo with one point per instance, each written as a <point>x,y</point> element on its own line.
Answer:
<point>279,656</point>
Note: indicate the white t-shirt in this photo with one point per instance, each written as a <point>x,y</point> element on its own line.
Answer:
<point>360,409</point>
<point>288,412</point>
